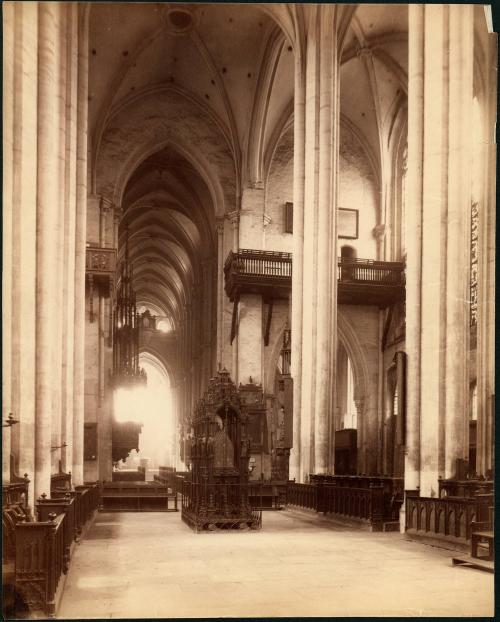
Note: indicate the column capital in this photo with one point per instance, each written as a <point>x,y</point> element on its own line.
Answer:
<point>233,216</point>
<point>404,164</point>
<point>117,213</point>
<point>379,232</point>
<point>219,225</point>
<point>256,184</point>
<point>105,204</point>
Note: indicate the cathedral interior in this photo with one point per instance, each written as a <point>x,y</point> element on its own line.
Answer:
<point>248,309</point>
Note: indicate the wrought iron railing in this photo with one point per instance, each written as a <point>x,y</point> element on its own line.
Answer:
<point>222,505</point>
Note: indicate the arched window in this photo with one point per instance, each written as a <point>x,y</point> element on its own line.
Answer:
<point>164,325</point>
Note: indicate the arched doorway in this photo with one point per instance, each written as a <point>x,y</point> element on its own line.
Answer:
<point>157,442</point>
<point>152,406</point>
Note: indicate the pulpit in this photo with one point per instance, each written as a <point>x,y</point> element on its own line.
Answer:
<point>217,494</point>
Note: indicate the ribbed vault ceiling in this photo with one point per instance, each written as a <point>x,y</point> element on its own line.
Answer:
<point>188,102</point>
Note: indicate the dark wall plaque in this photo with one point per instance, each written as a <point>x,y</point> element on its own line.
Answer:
<point>90,441</point>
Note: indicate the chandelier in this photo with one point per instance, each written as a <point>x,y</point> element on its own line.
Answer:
<point>126,370</point>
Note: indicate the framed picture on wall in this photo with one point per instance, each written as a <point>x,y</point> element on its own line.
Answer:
<point>90,441</point>
<point>348,222</point>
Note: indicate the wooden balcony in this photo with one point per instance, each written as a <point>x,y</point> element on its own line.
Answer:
<point>100,262</point>
<point>369,282</point>
<point>360,281</point>
<point>100,268</point>
<point>258,272</point>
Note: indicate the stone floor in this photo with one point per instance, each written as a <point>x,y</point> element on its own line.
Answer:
<point>152,565</point>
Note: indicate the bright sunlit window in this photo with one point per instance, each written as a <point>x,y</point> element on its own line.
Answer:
<point>128,404</point>
<point>150,405</point>
<point>164,326</point>
<point>158,438</point>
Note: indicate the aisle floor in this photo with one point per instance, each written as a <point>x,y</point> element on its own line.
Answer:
<point>152,565</point>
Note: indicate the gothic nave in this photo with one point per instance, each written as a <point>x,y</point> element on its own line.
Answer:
<point>248,286</point>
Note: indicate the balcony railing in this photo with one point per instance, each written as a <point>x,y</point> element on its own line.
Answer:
<point>253,271</point>
<point>269,273</point>
<point>261,263</point>
<point>360,281</point>
<point>369,282</point>
<point>370,271</point>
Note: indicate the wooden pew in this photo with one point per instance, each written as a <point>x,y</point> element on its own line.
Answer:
<point>60,483</point>
<point>267,494</point>
<point>47,507</point>
<point>137,497</point>
<point>130,475</point>
<point>482,537</point>
<point>171,478</point>
<point>40,563</point>
<point>15,509</point>
<point>36,554</point>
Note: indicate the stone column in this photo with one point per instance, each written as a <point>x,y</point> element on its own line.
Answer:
<point>309,293</point>
<point>486,267</point>
<point>69,241</point>
<point>359,402</point>
<point>9,57</point>
<point>176,423</point>
<point>413,201</point>
<point>342,383</point>
<point>379,232</point>
<point>80,246</point>
<point>380,396</point>
<point>117,214</point>
<point>460,48</point>
<point>234,219</point>
<point>438,201</point>
<point>19,236</point>
<point>251,217</point>
<point>315,198</point>
<point>220,290</point>
<point>103,212</point>
<point>233,238</point>
<point>297,300</point>
<point>326,312</point>
<point>249,339</point>
<point>47,216</point>
<point>59,178</point>
<point>207,276</point>
<point>195,340</point>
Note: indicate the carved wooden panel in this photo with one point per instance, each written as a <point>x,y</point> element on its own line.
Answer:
<point>100,260</point>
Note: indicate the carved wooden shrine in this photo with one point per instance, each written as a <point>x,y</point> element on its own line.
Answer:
<point>216,495</point>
